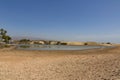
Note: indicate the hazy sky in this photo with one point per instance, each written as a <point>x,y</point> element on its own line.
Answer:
<point>72,20</point>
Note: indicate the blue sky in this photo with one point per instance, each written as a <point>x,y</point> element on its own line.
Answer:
<point>71,20</point>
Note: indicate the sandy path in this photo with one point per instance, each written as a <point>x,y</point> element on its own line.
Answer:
<point>101,64</point>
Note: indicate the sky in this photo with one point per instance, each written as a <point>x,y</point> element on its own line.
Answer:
<point>67,20</point>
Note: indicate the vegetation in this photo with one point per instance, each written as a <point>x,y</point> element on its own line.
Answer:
<point>3,36</point>
<point>4,46</point>
<point>24,46</point>
<point>47,42</point>
<point>63,43</point>
<point>108,43</point>
<point>24,41</point>
<point>58,43</point>
<point>85,43</point>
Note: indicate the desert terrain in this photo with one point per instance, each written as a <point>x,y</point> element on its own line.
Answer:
<point>95,64</point>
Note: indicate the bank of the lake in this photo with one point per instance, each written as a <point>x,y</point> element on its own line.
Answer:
<point>59,47</point>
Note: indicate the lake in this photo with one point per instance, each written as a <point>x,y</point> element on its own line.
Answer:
<point>57,47</point>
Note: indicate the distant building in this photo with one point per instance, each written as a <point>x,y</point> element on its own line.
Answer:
<point>75,43</point>
<point>53,42</point>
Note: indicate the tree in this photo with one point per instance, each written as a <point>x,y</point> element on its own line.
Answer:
<point>3,36</point>
<point>24,41</point>
<point>58,43</point>
<point>108,43</point>
<point>85,43</point>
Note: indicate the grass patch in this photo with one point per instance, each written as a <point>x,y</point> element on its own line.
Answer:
<point>4,46</point>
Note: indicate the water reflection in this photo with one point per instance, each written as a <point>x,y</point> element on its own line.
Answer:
<point>56,47</point>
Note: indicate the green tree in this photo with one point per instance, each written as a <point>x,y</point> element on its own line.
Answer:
<point>24,41</point>
<point>3,36</point>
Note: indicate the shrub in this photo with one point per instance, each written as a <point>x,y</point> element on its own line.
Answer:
<point>85,43</point>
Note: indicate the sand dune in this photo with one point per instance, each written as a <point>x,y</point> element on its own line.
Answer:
<point>99,64</point>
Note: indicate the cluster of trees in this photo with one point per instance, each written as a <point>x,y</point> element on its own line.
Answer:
<point>3,36</point>
<point>24,41</point>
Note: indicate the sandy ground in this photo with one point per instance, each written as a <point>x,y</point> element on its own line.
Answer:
<point>99,64</point>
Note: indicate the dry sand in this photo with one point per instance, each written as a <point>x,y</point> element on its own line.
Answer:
<point>99,64</point>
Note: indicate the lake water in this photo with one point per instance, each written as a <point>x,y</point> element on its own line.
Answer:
<point>58,47</point>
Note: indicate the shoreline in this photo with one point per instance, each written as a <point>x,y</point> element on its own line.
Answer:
<point>16,52</point>
<point>66,48</point>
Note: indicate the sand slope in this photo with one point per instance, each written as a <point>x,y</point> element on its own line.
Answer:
<point>100,64</point>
